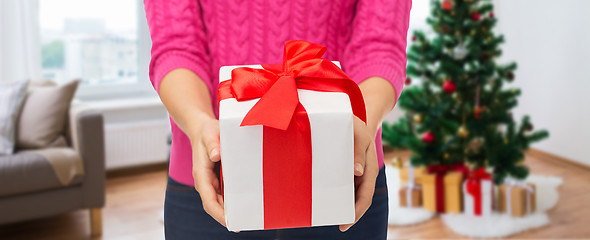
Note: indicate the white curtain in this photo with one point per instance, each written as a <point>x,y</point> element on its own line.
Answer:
<point>20,54</point>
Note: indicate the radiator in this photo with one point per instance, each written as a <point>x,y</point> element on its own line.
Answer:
<point>137,143</point>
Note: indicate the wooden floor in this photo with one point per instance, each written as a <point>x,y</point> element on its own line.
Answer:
<point>134,207</point>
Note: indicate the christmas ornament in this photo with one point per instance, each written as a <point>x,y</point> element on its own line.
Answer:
<point>459,52</point>
<point>477,112</point>
<point>428,137</point>
<point>457,97</point>
<point>413,38</point>
<point>446,156</point>
<point>418,118</point>
<point>475,145</point>
<point>408,81</point>
<point>462,132</point>
<point>475,16</point>
<point>446,5</point>
<point>485,56</point>
<point>449,86</point>
<point>490,80</point>
<point>472,32</point>
<point>510,76</point>
<point>491,15</point>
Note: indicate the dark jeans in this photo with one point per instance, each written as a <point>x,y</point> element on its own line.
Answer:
<point>185,218</point>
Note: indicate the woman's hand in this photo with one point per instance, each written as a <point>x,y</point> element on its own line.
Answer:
<point>366,169</point>
<point>204,135</point>
<point>187,99</point>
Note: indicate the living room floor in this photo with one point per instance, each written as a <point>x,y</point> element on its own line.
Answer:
<point>134,204</point>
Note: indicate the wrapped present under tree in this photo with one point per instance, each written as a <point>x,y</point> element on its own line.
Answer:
<point>516,198</point>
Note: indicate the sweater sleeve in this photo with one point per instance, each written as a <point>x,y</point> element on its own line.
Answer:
<point>377,46</point>
<point>178,39</point>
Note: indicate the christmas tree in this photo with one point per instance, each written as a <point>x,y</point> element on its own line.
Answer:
<point>462,110</point>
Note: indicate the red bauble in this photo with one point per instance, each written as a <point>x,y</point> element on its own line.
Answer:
<point>413,38</point>
<point>408,81</point>
<point>492,15</point>
<point>446,5</point>
<point>449,86</point>
<point>428,137</point>
<point>477,112</point>
<point>475,16</point>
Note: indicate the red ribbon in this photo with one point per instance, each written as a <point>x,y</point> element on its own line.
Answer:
<point>474,187</point>
<point>287,153</point>
<point>439,185</point>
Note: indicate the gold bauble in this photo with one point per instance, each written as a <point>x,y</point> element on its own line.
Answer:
<point>446,156</point>
<point>418,118</point>
<point>472,32</point>
<point>456,96</point>
<point>462,132</point>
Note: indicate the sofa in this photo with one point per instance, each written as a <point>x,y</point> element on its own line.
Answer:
<point>31,188</point>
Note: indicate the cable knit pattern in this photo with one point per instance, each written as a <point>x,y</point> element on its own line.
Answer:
<point>368,37</point>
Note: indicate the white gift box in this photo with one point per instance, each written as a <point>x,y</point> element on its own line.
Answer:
<point>486,198</point>
<point>331,119</point>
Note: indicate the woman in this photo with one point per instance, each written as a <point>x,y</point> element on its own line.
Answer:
<point>192,39</point>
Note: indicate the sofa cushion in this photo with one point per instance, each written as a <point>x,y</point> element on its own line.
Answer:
<point>30,171</point>
<point>12,96</point>
<point>43,117</point>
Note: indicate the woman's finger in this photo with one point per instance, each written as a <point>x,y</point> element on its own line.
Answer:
<point>210,139</point>
<point>365,186</point>
<point>363,200</point>
<point>361,141</point>
<point>212,201</point>
<point>206,184</point>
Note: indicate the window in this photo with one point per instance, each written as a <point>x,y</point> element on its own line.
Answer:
<point>98,41</point>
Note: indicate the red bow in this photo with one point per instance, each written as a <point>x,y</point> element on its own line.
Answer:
<point>440,171</point>
<point>473,186</point>
<point>276,85</point>
<point>287,153</point>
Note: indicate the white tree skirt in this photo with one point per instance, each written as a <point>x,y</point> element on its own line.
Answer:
<point>401,215</point>
<point>496,225</point>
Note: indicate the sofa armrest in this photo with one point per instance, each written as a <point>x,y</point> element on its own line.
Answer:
<point>88,135</point>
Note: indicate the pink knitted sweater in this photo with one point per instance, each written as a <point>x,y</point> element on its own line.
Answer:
<point>368,37</point>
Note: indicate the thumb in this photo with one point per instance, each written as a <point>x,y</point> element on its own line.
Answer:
<point>211,143</point>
